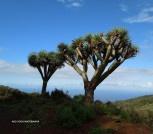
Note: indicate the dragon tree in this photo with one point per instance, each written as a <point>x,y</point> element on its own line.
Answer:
<point>103,52</point>
<point>46,63</point>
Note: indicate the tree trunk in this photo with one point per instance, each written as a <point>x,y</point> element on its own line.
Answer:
<point>44,86</point>
<point>89,94</point>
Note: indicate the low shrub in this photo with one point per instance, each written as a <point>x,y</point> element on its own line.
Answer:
<point>74,115</point>
<point>7,93</point>
<point>66,118</point>
<point>149,119</point>
<point>34,94</point>
<point>107,109</point>
<point>79,98</point>
<point>125,115</point>
<point>59,96</point>
<point>134,116</point>
<point>113,110</point>
<point>99,109</point>
<point>98,130</point>
<point>82,112</point>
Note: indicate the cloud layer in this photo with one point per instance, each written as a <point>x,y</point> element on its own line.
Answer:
<point>122,78</point>
<point>145,15</point>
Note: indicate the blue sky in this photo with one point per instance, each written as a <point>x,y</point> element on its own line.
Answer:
<point>32,25</point>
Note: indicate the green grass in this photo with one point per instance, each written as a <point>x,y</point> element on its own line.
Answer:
<point>141,106</point>
<point>144,103</point>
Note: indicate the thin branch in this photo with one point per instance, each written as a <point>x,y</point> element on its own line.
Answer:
<point>51,72</point>
<point>103,65</point>
<point>114,65</point>
<point>94,65</point>
<point>45,70</point>
<point>108,53</point>
<point>85,66</point>
<point>40,71</point>
<point>104,40</point>
<point>73,64</point>
<point>68,63</point>
<point>76,68</point>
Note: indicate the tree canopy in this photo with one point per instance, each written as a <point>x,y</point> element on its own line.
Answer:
<point>46,63</point>
<point>104,52</point>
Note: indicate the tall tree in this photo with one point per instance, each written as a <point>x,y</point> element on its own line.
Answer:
<point>104,53</point>
<point>46,63</point>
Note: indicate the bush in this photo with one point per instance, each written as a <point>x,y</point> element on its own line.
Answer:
<point>98,130</point>
<point>150,119</point>
<point>134,116</point>
<point>125,115</point>
<point>66,118</point>
<point>107,109</point>
<point>7,93</point>
<point>111,109</point>
<point>74,115</point>
<point>79,98</point>
<point>59,96</point>
<point>82,112</point>
<point>98,102</point>
<point>99,109</point>
<point>33,95</point>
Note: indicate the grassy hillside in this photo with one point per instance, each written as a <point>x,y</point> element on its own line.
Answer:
<point>144,103</point>
<point>58,113</point>
<point>141,106</point>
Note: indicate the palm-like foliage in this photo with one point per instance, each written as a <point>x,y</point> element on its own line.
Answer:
<point>103,52</point>
<point>46,63</point>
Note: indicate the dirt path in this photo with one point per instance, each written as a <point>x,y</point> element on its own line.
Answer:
<point>105,122</point>
<point>124,127</point>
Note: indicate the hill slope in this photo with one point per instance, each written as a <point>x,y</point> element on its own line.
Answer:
<point>141,107</point>
<point>144,103</point>
<point>58,113</point>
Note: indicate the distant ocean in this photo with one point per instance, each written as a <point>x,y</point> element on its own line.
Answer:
<point>105,94</point>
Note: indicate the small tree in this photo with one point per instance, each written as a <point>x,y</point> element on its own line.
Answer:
<point>46,63</point>
<point>103,53</point>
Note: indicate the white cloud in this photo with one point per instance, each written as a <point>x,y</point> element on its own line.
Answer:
<point>145,15</point>
<point>132,78</point>
<point>6,67</point>
<point>75,4</point>
<point>123,7</point>
<point>71,3</point>
<point>122,78</point>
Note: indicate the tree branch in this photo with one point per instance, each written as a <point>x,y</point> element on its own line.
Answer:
<point>76,68</point>
<point>45,70</point>
<point>85,66</point>
<point>108,53</point>
<point>112,68</point>
<point>73,64</point>
<point>103,65</point>
<point>99,71</point>
<point>40,71</point>
<point>50,73</point>
<point>68,63</point>
<point>93,63</point>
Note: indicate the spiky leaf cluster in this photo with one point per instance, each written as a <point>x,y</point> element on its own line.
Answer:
<point>118,39</point>
<point>45,58</point>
